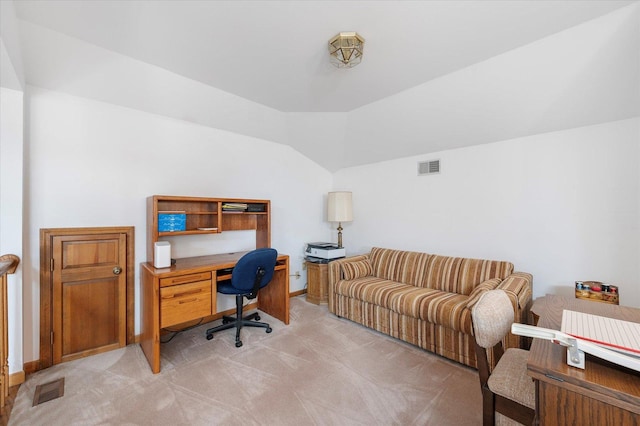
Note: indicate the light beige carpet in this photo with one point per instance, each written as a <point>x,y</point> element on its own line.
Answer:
<point>319,370</point>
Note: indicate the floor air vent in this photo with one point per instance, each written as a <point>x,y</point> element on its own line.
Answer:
<point>428,167</point>
<point>48,391</point>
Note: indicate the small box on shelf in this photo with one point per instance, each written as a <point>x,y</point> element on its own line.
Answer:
<point>172,222</point>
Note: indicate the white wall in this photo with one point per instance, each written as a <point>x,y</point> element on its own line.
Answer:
<point>11,178</point>
<point>563,206</point>
<point>11,174</point>
<point>11,68</point>
<point>94,164</point>
<point>319,136</point>
<point>58,62</point>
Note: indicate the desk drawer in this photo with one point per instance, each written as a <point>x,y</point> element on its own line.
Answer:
<point>185,302</point>
<point>183,279</point>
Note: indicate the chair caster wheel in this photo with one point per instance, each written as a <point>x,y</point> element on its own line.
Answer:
<point>269,330</point>
<point>224,321</point>
<point>257,317</point>
<point>209,336</point>
<point>238,344</point>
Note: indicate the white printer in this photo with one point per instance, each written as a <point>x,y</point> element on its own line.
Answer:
<point>324,251</point>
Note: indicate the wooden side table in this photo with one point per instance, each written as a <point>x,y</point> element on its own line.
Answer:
<point>317,283</point>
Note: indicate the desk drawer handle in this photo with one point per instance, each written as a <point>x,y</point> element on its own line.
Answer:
<point>184,293</point>
<point>187,301</point>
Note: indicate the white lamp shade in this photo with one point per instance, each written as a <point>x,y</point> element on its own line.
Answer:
<point>339,208</point>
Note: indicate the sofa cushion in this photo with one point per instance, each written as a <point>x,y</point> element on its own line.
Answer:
<point>435,306</point>
<point>443,273</point>
<point>475,271</point>
<point>369,289</point>
<point>461,275</point>
<point>399,265</point>
<point>357,269</point>
<point>448,310</point>
<point>446,273</point>
<point>410,300</point>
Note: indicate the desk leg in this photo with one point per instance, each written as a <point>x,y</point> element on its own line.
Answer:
<point>150,333</point>
<point>274,298</point>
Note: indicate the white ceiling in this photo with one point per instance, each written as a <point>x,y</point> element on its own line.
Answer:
<point>436,75</point>
<point>275,52</point>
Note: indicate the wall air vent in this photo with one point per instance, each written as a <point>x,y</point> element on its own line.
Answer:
<point>428,167</point>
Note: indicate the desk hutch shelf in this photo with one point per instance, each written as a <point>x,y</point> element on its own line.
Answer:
<point>208,216</point>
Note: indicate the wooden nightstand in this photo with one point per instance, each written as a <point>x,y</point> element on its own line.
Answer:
<point>317,282</point>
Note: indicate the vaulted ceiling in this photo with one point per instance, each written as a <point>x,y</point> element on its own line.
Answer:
<point>274,53</point>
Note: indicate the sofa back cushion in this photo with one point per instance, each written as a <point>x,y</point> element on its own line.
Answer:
<point>443,273</point>
<point>406,267</point>
<point>475,271</point>
<point>451,274</point>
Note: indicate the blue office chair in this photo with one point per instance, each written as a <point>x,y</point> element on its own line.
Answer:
<point>253,271</point>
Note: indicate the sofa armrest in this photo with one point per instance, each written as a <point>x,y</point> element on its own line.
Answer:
<point>519,288</point>
<point>336,274</point>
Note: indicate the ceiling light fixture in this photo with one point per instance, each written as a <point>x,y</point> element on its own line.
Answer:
<point>346,49</point>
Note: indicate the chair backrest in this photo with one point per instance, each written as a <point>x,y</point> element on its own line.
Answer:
<point>245,272</point>
<point>492,317</point>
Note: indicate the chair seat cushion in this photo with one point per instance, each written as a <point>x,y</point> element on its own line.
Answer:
<point>509,378</point>
<point>225,287</point>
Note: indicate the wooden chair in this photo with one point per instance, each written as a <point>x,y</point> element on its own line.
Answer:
<point>507,389</point>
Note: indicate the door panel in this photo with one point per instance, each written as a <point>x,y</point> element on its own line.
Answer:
<point>89,295</point>
<point>88,316</point>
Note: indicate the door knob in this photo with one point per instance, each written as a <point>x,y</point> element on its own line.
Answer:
<point>117,270</point>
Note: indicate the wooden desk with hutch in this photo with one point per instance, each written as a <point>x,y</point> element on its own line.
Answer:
<point>600,394</point>
<point>186,291</point>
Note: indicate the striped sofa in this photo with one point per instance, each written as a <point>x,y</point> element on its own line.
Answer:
<point>424,299</point>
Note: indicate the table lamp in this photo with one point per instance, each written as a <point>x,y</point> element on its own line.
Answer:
<point>339,210</point>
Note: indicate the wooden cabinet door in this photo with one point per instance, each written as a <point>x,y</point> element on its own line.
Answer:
<point>317,282</point>
<point>89,294</point>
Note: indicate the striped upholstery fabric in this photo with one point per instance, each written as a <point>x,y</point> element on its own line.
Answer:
<point>396,265</point>
<point>452,274</point>
<point>424,299</point>
<point>427,304</point>
<point>518,287</point>
<point>357,269</point>
<point>443,273</point>
<point>438,339</point>
<point>480,289</point>
<point>336,274</point>
<point>474,271</point>
<point>370,289</point>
